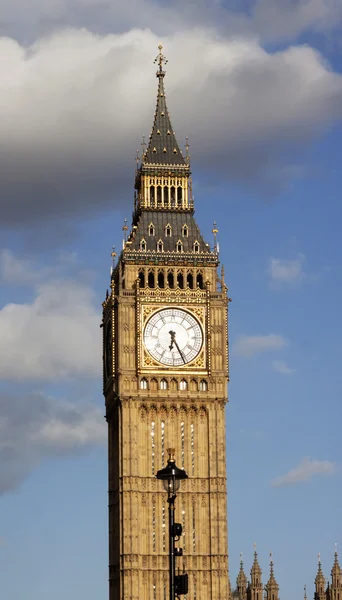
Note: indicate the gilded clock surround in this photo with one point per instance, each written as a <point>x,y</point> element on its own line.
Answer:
<point>165,263</point>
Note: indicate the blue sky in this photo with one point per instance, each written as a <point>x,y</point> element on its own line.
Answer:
<point>257,87</point>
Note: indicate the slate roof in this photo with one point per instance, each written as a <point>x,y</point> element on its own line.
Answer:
<point>163,147</point>
<point>160,219</point>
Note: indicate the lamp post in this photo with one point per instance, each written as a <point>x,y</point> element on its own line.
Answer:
<point>171,477</point>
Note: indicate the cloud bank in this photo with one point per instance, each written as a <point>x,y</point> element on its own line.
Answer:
<point>56,336</point>
<point>35,427</point>
<point>74,105</point>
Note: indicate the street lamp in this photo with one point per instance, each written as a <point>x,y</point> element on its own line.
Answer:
<point>171,477</point>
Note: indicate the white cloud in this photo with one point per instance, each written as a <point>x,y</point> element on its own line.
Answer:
<point>286,271</point>
<point>56,336</point>
<point>281,366</point>
<point>287,19</point>
<point>35,427</point>
<point>74,105</point>
<point>307,468</point>
<point>249,345</point>
<point>267,19</point>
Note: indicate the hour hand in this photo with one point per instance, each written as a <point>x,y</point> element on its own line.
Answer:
<point>172,334</point>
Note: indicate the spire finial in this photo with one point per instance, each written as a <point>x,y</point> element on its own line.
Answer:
<point>305,596</point>
<point>187,146</point>
<point>215,232</point>
<point>271,565</point>
<point>143,144</point>
<point>336,550</point>
<point>160,60</point>
<point>124,229</point>
<point>113,255</point>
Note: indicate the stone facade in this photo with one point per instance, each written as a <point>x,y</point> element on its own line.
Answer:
<point>166,270</point>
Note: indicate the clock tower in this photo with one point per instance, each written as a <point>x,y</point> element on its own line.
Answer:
<point>165,357</point>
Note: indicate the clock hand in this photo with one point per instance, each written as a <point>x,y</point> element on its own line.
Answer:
<point>180,352</point>
<point>173,341</point>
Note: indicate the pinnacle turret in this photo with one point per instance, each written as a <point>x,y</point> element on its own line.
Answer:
<point>255,587</point>
<point>241,582</point>
<point>336,579</point>
<point>272,587</point>
<point>319,582</point>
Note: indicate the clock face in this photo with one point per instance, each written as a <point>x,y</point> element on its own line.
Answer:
<point>173,337</point>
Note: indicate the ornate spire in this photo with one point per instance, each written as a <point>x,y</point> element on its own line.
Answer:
<point>305,595</point>
<point>163,147</point>
<point>255,588</point>
<point>272,587</point>
<point>336,572</point>
<point>319,581</point>
<point>255,570</point>
<point>241,581</point>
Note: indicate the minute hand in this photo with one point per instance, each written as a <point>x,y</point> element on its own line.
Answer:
<point>180,352</point>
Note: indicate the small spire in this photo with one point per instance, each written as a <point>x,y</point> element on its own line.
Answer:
<point>319,579</point>
<point>215,232</point>
<point>336,569</point>
<point>124,229</point>
<point>113,255</point>
<point>187,146</point>
<point>241,580</point>
<point>143,144</point>
<point>271,566</point>
<point>160,60</point>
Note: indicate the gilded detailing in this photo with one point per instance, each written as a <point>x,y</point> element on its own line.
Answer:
<point>147,362</point>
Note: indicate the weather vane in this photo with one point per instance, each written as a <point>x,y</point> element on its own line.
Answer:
<point>160,59</point>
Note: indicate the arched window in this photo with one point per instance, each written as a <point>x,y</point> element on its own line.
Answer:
<point>143,384</point>
<point>152,196</point>
<point>185,231</point>
<point>163,384</point>
<point>199,281</point>
<point>159,195</point>
<point>193,385</point>
<point>179,196</point>
<point>151,229</point>
<point>183,384</point>
<point>190,280</point>
<point>143,245</point>
<point>196,246</point>
<point>180,280</point>
<point>174,386</point>
<point>168,230</point>
<point>154,384</point>
<point>142,279</point>
<point>179,246</point>
<point>160,246</point>
<point>170,280</point>
<point>151,280</point>
<point>160,280</point>
<point>173,196</point>
<point>203,386</point>
<point>166,196</point>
